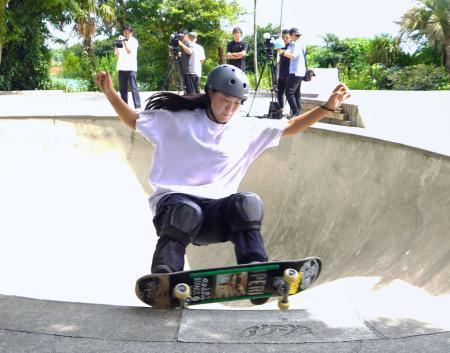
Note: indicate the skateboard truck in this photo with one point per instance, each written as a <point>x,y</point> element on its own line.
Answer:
<point>183,293</point>
<point>283,286</point>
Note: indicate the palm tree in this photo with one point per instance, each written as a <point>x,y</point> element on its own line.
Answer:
<point>3,6</point>
<point>383,50</point>
<point>429,19</point>
<point>121,14</point>
<point>87,14</point>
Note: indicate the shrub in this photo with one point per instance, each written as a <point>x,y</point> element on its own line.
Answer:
<point>361,79</point>
<point>381,76</point>
<point>420,78</point>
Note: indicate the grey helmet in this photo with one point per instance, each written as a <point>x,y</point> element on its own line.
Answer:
<point>230,80</point>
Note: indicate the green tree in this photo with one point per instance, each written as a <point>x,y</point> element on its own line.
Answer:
<point>71,62</point>
<point>87,15</point>
<point>425,55</point>
<point>262,56</point>
<point>3,5</point>
<point>429,20</point>
<point>383,49</point>
<point>420,78</point>
<point>23,32</point>
<point>155,20</point>
<point>348,55</point>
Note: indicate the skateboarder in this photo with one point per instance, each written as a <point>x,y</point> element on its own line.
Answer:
<point>202,150</point>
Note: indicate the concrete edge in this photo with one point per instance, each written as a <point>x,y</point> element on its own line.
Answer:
<point>323,129</point>
<point>144,324</point>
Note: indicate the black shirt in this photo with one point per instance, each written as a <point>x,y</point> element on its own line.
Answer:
<point>237,47</point>
<point>284,65</point>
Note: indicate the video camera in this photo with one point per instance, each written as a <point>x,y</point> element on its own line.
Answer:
<point>174,39</point>
<point>118,43</point>
<point>269,39</point>
<point>174,45</point>
<point>270,43</point>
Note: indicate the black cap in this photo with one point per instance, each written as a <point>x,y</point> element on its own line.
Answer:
<point>295,31</point>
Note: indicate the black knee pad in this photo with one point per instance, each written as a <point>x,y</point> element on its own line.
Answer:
<point>245,211</point>
<point>181,221</point>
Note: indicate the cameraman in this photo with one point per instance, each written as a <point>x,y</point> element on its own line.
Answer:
<point>297,70</point>
<point>283,72</point>
<point>187,61</point>
<point>126,51</point>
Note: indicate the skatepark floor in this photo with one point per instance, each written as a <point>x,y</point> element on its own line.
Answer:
<point>372,202</point>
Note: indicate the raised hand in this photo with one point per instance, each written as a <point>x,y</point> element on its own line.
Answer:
<point>337,97</point>
<point>103,79</point>
<point>305,120</point>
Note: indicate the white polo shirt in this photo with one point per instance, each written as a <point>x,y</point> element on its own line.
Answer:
<point>196,156</point>
<point>125,61</point>
<point>198,56</point>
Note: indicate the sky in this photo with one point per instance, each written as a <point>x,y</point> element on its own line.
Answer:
<point>345,18</point>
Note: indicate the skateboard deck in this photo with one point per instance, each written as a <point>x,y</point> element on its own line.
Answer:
<point>239,282</point>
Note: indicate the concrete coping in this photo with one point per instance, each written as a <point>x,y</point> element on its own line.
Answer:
<point>64,325</point>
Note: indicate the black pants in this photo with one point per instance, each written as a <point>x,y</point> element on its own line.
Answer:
<point>126,77</point>
<point>214,228</point>
<point>281,85</point>
<point>189,83</point>
<point>293,86</point>
<point>196,82</point>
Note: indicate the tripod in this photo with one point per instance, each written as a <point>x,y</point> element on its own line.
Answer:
<point>274,106</point>
<point>174,73</point>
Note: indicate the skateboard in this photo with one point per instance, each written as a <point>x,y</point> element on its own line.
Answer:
<point>250,281</point>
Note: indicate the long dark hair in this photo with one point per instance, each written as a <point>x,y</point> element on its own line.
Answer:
<point>174,102</point>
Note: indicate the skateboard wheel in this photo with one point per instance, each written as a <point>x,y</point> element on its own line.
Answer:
<point>283,305</point>
<point>290,275</point>
<point>182,291</point>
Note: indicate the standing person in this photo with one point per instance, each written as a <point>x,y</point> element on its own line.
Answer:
<point>186,61</point>
<point>283,71</point>
<point>202,151</point>
<point>198,60</point>
<point>237,49</point>
<point>127,65</point>
<point>297,70</point>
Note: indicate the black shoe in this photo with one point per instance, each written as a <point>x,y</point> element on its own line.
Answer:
<point>259,301</point>
<point>161,269</point>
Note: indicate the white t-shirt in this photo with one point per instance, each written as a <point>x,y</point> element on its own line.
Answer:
<point>196,156</point>
<point>198,56</point>
<point>125,61</point>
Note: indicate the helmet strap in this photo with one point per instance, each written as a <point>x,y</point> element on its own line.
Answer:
<point>210,114</point>
<point>209,111</point>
